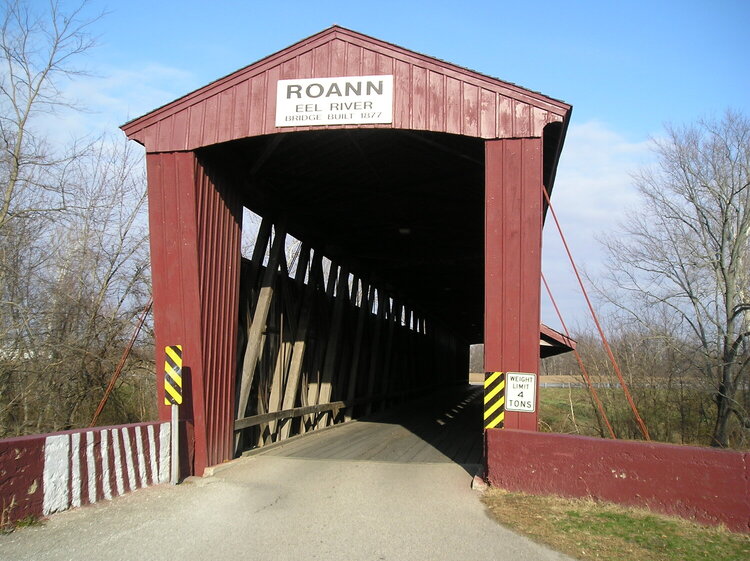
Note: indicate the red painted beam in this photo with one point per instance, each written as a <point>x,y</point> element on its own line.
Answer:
<point>513,247</point>
<point>195,225</point>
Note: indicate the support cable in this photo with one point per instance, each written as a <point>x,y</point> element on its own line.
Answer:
<point>585,373</point>
<point>121,364</point>
<point>639,420</point>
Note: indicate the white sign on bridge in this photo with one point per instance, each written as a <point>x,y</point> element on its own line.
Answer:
<point>334,101</point>
<point>520,392</point>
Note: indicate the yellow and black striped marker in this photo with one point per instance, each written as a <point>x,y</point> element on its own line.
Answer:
<point>173,375</point>
<point>494,400</point>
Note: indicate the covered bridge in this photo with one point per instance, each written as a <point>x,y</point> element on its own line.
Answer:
<point>415,187</point>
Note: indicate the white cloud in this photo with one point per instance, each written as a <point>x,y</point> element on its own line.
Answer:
<point>593,190</point>
<point>112,97</point>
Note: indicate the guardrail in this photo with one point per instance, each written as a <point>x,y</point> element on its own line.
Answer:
<point>704,484</point>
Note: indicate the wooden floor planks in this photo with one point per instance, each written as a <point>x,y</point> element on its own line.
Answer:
<point>445,427</point>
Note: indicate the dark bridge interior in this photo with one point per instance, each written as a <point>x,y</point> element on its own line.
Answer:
<point>404,209</point>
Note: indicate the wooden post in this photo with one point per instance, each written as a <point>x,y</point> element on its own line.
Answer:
<point>300,338</point>
<point>259,252</point>
<point>174,478</point>
<point>393,318</point>
<point>364,311</point>
<point>378,324</point>
<point>332,349</point>
<point>323,301</point>
<point>283,355</point>
<point>349,322</point>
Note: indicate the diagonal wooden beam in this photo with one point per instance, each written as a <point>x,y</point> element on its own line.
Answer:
<point>247,287</point>
<point>332,349</point>
<point>260,317</point>
<point>300,340</point>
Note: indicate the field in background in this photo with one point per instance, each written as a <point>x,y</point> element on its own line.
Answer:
<point>567,410</point>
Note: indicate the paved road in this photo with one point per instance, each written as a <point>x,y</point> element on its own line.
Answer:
<point>406,501</point>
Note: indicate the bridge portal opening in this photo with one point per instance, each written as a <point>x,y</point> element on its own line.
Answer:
<point>381,295</point>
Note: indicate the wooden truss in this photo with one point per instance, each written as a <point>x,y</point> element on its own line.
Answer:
<point>318,345</point>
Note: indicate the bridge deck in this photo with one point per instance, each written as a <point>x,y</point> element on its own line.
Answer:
<point>446,427</point>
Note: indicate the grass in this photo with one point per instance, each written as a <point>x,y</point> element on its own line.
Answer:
<point>676,416</point>
<point>588,530</point>
<point>567,410</point>
<point>26,522</point>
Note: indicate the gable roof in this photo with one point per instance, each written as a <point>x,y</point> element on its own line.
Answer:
<point>429,95</point>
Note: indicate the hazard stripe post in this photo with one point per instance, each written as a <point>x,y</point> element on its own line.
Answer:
<point>173,397</point>
<point>494,400</point>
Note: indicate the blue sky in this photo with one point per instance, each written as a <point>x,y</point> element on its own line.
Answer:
<point>632,65</point>
<point>626,67</point>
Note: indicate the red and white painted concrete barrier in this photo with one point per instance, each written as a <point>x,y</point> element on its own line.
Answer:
<point>43,474</point>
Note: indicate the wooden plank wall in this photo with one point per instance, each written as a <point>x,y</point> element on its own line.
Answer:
<point>428,95</point>
<point>317,335</point>
<point>195,223</point>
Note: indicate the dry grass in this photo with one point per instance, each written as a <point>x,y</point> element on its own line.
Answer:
<point>558,379</point>
<point>588,530</point>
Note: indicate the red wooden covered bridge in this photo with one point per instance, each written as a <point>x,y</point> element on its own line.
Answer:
<point>415,188</point>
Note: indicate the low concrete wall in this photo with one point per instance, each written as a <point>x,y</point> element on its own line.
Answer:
<point>47,473</point>
<point>704,484</point>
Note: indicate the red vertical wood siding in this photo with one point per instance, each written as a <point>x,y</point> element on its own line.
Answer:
<point>428,95</point>
<point>195,238</point>
<point>513,243</point>
<point>220,218</point>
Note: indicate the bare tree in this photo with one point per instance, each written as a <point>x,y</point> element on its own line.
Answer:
<point>73,255</point>
<point>85,279</point>
<point>38,51</point>
<point>684,255</point>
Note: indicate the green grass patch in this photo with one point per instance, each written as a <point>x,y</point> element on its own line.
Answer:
<point>25,522</point>
<point>589,530</point>
<point>28,521</point>
<point>567,411</point>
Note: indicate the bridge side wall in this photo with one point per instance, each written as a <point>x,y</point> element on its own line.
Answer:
<point>47,473</point>
<point>707,485</point>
